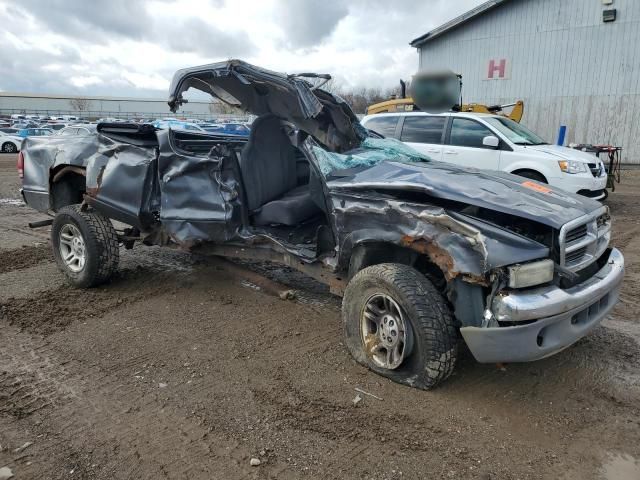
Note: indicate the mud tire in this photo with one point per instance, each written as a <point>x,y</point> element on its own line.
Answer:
<point>434,348</point>
<point>101,245</point>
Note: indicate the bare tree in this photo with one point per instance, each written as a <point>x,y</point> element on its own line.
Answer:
<point>332,86</point>
<point>80,104</point>
<point>221,108</point>
<point>361,97</point>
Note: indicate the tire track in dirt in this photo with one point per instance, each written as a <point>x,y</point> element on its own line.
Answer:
<point>25,257</point>
<point>96,415</point>
<point>30,378</point>
<point>111,408</point>
<point>380,441</point>
<point>53,310</point>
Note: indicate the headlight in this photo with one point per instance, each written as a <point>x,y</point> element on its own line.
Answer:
<point>572,166</point>
<point>529,274</point>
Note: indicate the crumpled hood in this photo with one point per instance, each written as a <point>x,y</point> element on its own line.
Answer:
<point>498,191</point>
<point>564,153</point>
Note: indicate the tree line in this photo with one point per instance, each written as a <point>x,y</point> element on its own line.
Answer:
<point>359,98</point>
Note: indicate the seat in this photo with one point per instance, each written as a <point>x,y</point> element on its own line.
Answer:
<point>292,208</point>
<point>268,166</point>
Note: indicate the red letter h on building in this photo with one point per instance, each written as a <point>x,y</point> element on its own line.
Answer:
<point>500,68</point>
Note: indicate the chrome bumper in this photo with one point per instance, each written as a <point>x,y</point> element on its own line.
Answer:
<point>555,318</point>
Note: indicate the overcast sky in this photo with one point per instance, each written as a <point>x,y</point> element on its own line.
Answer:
<point>132,47</point>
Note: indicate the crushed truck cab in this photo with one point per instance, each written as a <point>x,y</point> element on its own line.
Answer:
<point>424,254</point>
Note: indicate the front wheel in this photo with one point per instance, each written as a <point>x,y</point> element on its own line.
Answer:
<point>85,246</point>
<point>399,325</point>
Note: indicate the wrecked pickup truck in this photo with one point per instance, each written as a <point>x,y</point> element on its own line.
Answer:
<point>422,252</point>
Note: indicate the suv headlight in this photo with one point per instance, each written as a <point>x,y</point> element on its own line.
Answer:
<point>572,166</point>
<point>530,274</point>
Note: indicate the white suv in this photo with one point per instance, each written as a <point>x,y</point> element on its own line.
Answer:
<point>494,142</point>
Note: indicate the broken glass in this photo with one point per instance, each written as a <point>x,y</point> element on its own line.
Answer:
<point>371,152</point>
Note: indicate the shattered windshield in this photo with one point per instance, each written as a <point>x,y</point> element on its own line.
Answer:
<point>371,152</point>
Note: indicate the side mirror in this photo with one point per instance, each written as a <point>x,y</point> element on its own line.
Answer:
<point>491,141</point>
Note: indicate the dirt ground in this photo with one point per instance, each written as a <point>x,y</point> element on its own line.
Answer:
<point>182,368</point>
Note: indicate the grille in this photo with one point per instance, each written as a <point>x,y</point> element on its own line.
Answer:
<point>575,255</point>
<point>576,234</point>
<point>595,169</point>
<point>583,240</point>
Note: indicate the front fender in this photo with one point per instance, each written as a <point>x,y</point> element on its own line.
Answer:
<point>548,171</point>
<point>455,247</point>
<point>459,245</point>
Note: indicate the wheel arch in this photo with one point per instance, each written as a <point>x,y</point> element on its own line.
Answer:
<point>67,186</point>
<point>520,171</point>
<point>367,254</point>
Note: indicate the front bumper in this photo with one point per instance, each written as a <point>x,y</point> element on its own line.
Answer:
<point>555,318</point>
<point>583,183</point>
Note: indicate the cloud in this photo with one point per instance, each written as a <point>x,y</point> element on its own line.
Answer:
<point>196,35</point>
<point>22,70</point>
<point>93,20</point>
<point>307,23</point>
<point>133,47</point>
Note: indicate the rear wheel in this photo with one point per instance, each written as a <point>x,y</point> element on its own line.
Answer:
<point>399,325</point>
<point>85,246</point>
<point>8,147</point>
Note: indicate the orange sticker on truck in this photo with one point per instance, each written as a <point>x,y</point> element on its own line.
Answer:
<point>536,186</point>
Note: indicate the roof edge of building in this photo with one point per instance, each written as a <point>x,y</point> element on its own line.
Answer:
<point>456,22</point>
<point>88,97</point>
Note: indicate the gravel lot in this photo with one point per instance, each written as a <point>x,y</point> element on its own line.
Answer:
<point>184,368</point>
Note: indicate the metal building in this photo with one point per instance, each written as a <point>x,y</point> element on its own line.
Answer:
<point>91,106</point>
<point>573,62</point>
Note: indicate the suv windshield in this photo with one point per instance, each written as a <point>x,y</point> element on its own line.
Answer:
<point>515,132</point>
<point>371,152</point>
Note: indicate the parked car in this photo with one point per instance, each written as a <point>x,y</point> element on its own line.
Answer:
<point>34,132</point>
<point>9,130</point>
<point>9,143</point>
<point>421,251</point>
<point>494,142</point>
<point>107,120</point>
<point>177,125</point>
<point>80,129</point>
<point>25,124</point>
<point>55,126</point>
<point>227,128</point>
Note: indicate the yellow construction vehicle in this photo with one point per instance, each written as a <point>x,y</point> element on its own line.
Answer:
<point>405,104</point>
